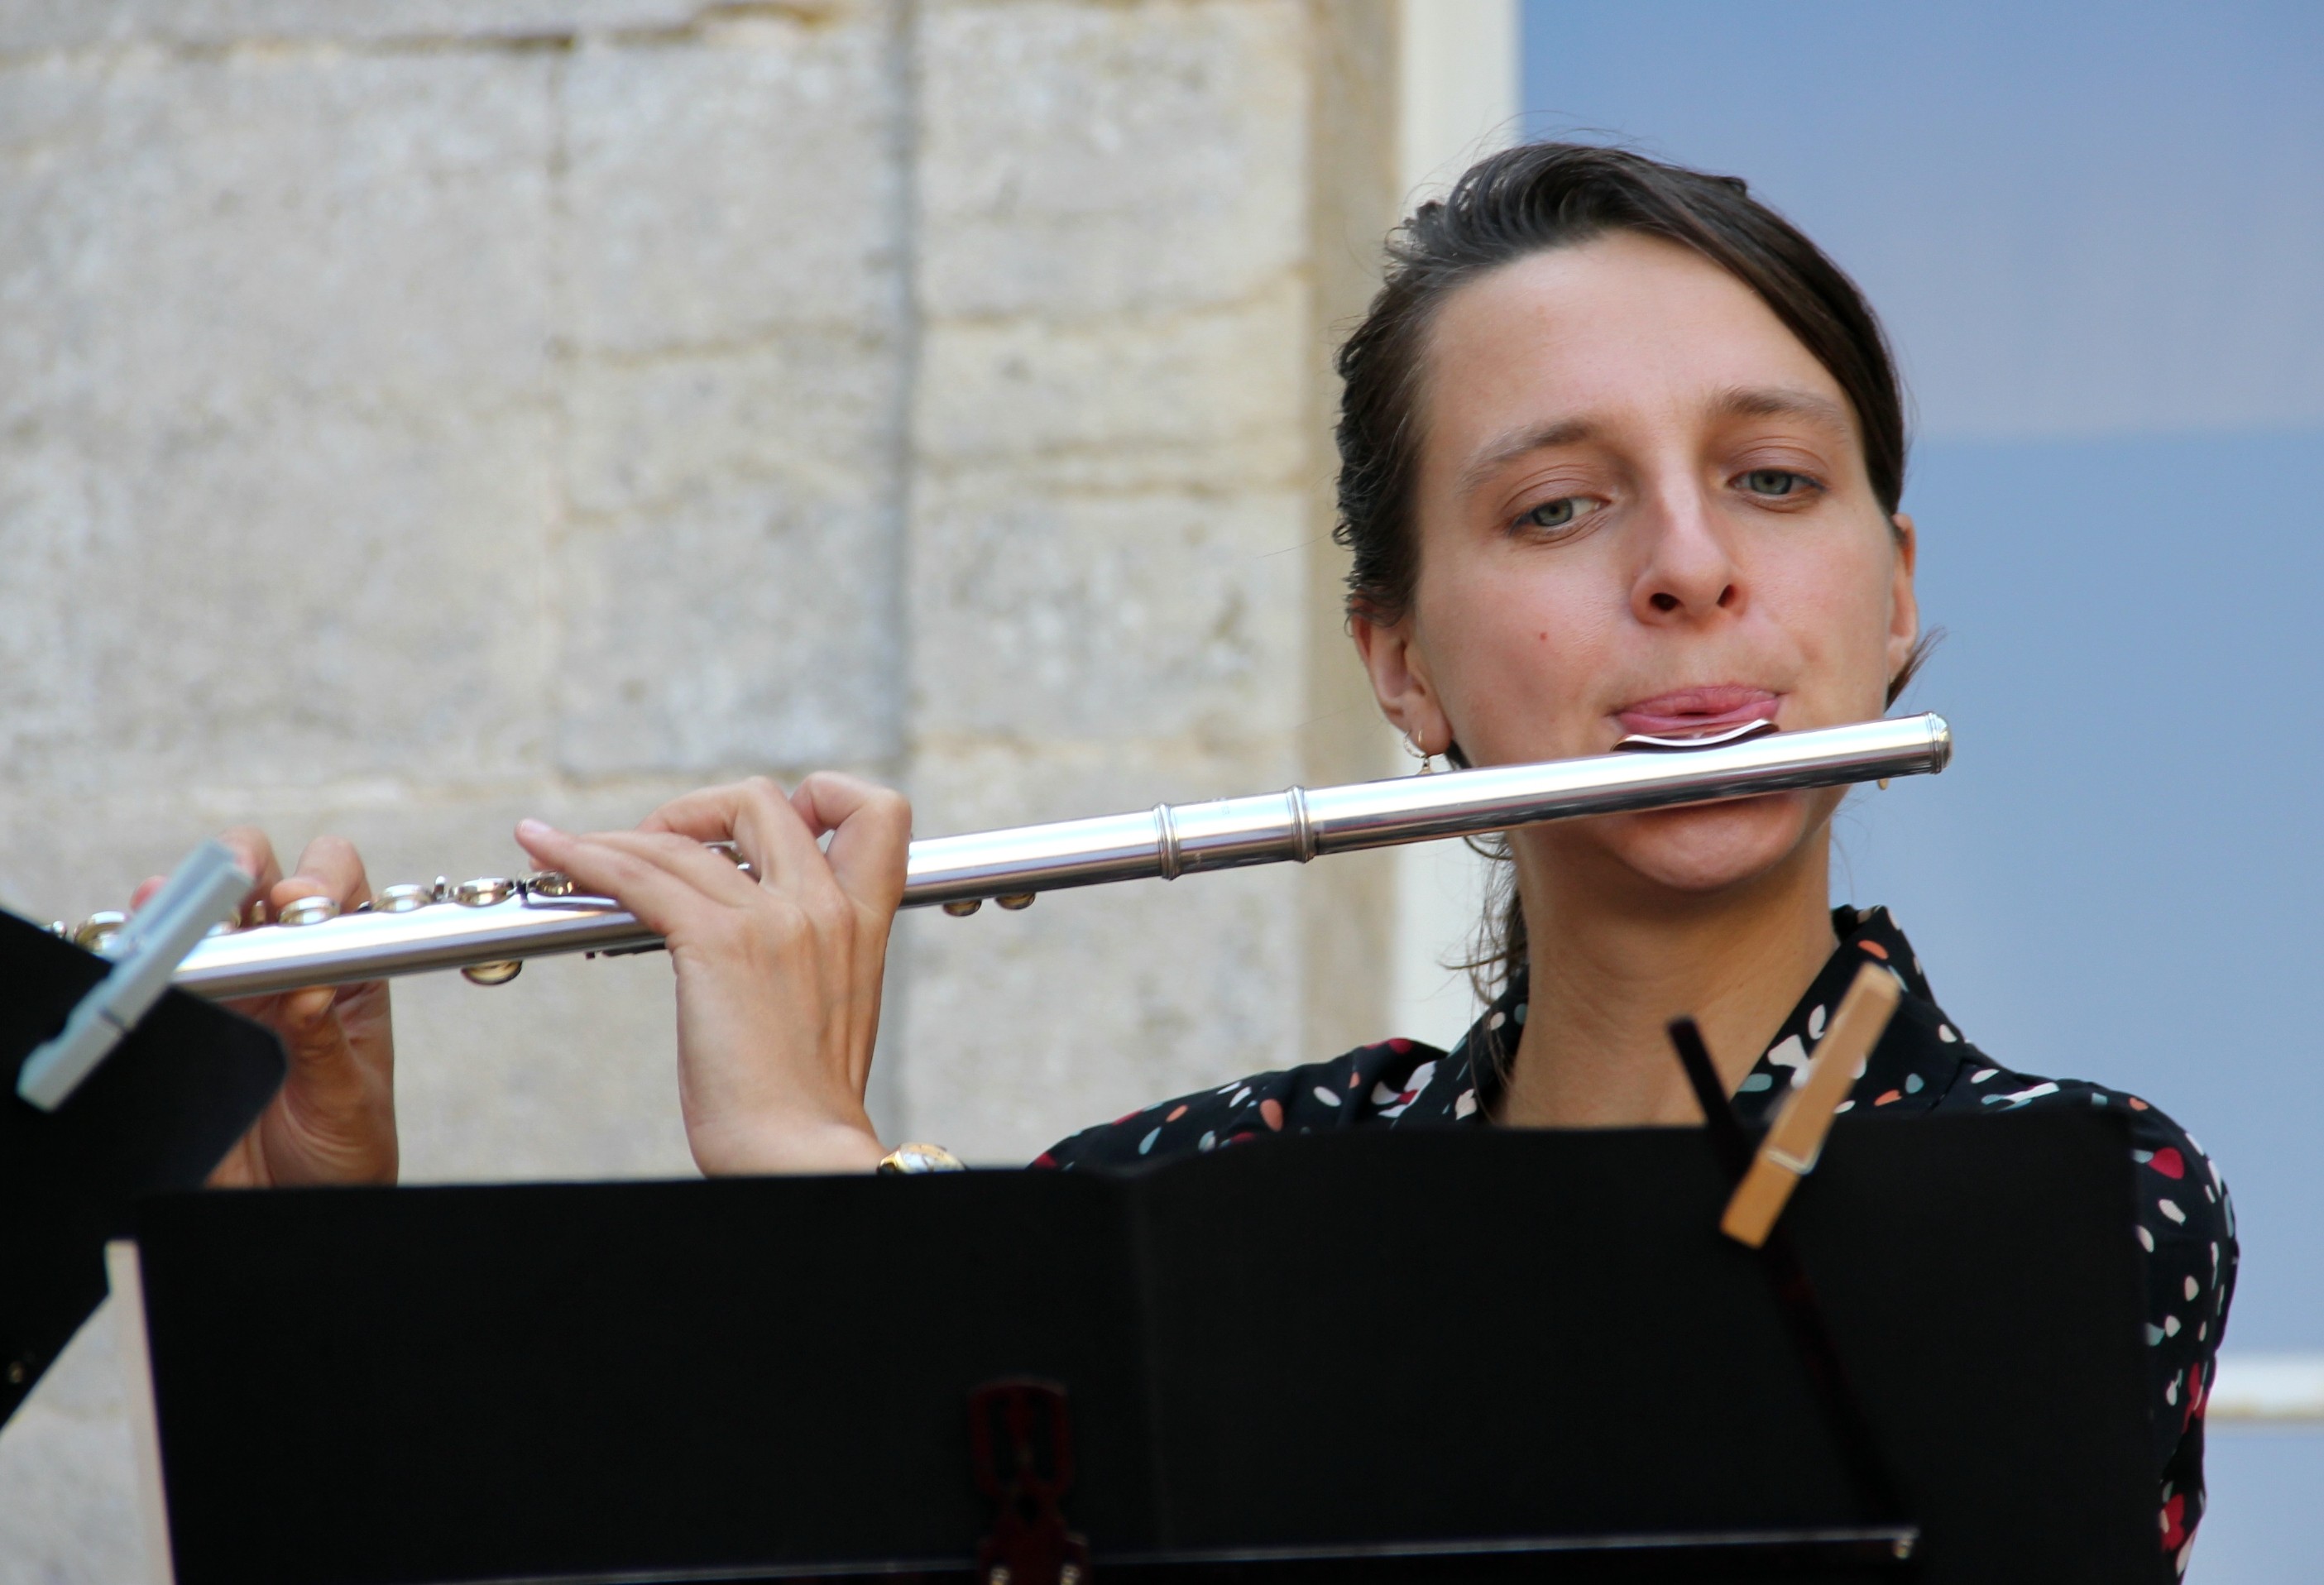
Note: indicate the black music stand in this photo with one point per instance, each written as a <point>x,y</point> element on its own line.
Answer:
<point>156,1114</point>
<point>1441,1357</point>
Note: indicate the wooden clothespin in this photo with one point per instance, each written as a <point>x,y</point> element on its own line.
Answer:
<point>1793,1144</point>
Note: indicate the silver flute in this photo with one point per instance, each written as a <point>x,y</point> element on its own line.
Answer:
<point>487,928</point>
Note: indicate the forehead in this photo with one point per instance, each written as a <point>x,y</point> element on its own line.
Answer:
<point>1619,327</point>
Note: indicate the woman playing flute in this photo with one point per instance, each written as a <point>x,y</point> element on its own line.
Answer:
<point>1622,452</point>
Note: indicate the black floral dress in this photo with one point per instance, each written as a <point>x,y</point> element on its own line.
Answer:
<point>2186,1226</point>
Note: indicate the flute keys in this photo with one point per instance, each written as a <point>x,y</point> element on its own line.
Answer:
<point>550,883</point>
<point>731,851</point>
<point>1014,901</point>
<point>482,893</point>
<point>402,899</point>
<point>308,910</point>
<point>96,932</point>
<point>491,973</point>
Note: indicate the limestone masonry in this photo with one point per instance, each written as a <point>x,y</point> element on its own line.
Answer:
<point>413,416</point>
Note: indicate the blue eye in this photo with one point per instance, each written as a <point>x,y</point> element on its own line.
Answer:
<point>1553,514</point>
<point>1774,482</point>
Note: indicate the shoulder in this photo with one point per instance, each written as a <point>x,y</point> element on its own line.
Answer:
<point>2185,1226</point>
<point>2182,1196</point>
<point>1369,1085</point>
<point>2174,1163</point>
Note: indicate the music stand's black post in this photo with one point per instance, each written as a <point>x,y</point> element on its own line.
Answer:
<point>155,1114</point>
<point>1787,1276</point>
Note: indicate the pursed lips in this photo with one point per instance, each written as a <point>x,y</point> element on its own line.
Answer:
<point>1686,711</point>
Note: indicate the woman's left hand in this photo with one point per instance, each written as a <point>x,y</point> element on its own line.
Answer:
<point>779,976</point>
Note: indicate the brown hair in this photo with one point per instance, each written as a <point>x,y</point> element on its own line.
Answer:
<point>1528,200</point>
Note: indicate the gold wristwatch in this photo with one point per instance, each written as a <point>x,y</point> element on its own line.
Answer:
<point>921,1159</point>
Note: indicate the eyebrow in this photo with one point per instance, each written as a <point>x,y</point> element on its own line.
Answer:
<point>1509,448</point>
<point>1768,402</point>
<point>1739,402</point>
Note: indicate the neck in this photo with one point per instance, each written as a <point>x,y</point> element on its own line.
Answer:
<point>1609,972</point>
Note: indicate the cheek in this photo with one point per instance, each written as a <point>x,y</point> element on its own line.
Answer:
<point>1832,600</point>
<point>1517,653</point>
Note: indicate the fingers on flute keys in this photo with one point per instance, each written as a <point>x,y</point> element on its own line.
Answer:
<point>330,867</point>
<point>779,976</point>
<point>676,886</point>
<point>335,1119</point>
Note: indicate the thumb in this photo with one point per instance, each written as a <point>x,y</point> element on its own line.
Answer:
<point>324,1073</point>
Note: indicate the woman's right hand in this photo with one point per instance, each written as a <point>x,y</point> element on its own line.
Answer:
<point>333,1121</point>
<point>779,976</point>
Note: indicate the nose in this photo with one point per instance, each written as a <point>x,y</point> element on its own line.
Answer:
<point>1688,571</point>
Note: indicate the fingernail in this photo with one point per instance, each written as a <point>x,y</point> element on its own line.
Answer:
<point>530,829</point>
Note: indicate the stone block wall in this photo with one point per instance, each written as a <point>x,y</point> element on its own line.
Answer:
<point>417,415</point>
<point>1114,524</point>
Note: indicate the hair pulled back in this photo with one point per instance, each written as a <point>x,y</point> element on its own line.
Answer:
<point>1527,200</point>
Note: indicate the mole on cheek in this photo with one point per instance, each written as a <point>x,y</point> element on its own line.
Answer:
<point>1544,637</point>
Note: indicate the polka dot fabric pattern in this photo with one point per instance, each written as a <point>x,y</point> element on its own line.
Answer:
<point>2186,1227</point>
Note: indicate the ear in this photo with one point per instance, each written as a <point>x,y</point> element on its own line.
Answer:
<point>1903,604</point>
<point>1398,668</point>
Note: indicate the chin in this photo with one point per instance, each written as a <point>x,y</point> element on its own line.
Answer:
<point>1714,847</point>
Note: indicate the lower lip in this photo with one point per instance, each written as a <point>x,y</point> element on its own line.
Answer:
<point>1658,724</point>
